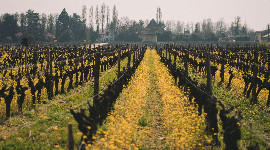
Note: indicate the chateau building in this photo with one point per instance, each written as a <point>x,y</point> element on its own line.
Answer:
<point>149,34</point>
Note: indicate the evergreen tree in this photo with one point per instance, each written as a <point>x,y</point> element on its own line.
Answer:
<point>22,20</point>
<point>42,28</point>
<point>8,27</point>
<point>62,26</point>
<point>51,24</point>
<point>77,27</point>
<point>33,24</point>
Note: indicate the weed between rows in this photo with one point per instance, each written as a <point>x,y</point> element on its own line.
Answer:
<point>152,113</point>
<point>46,126</point>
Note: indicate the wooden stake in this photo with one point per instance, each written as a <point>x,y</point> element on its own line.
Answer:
<point>209,77</point>
<point>70,138</point>
<point>119,61</point>
<point>96,76</point>
<point>222,67</point>
<point>255,72</point>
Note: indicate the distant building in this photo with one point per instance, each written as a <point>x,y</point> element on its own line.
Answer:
<point>149,34</point>
<point>106,36</point>
<point>261,35</point>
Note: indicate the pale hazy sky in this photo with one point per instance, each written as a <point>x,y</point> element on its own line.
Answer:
<point>256,13</point>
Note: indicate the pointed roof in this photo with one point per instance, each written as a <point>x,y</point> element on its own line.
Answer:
<point>153,24</point>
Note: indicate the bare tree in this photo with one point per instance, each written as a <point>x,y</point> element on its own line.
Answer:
<point>168,25</point>
<point>192,26</point>
<point>159,15</point>
<point>84,13</point>
<point>197,28</point>
<point>220,28</point>
<point>146,22</point>
<point>173,25</point>
<point>91,17</point>
<point>237,26</point>
<point>97,18</point>
<point>180,27</point>
<point>103,16</point>
<point>114,23</point>
<point>115,15</point>
<point>108,20</point>
<point>208,30</point>
<point>187,29</point>
<point>125,21</point>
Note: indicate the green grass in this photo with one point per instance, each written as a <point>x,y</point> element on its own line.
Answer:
<point>143,122</point>
<point>255,125</point>
<point>46,126</point>
<point>267,44</point>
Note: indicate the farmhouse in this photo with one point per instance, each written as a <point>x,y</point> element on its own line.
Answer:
<point>149,34</point>
<point>262,35</point>
<point>106,36</point>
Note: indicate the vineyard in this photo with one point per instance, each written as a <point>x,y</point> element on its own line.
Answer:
<point>162,96</point>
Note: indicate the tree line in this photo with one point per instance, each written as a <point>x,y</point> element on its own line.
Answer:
<point>100,24</point>
<point>207,30</point>
<point>62,27</point>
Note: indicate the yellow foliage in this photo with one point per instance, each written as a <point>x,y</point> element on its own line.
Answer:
<point>181,128</point>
